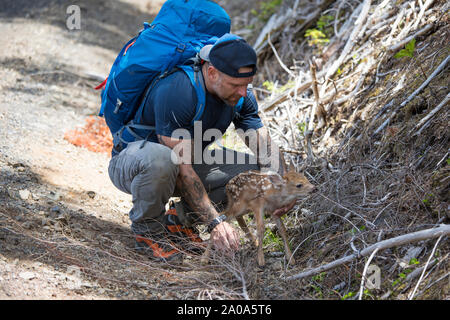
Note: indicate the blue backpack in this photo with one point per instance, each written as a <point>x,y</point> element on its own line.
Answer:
<point>173,39</point>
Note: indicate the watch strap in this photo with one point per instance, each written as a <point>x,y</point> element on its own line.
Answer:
<point>215,222</point>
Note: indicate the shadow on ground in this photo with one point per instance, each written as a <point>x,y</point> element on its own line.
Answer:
<point>107,24</point>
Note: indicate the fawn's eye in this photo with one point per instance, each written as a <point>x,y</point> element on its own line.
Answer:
<point>299,185</point>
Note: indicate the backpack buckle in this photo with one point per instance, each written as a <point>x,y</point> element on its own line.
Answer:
<point>181,47</point>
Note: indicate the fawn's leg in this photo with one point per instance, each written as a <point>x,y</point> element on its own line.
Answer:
<point>244,227</point>
<point>205,256</point>
<point>282,230</point>
<point>259,216</point>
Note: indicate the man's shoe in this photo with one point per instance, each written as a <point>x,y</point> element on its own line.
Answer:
<point>160,250</point>
<point>186,238</point>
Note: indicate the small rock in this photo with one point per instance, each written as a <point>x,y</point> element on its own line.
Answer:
<point>11,193</point>
<point>27,225</point>
<point>91,194</point>
<point>27,275</point>
<point>45,222</point>
<point>55,196</point>
<point>276,265</point>
<point>73,269</point>
<point>24,194</point>
<point>55,209</point>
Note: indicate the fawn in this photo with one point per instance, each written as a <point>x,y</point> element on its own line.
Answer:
<point>262,192</point>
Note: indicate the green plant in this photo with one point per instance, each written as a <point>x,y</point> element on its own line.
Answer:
<point>319,277</point>
<point>321,33</point>
<point>401,277</point>
<point>323,24</point>
<point>270,86</point>
<point>316,36</point>
<point>408,51</point>
<point>266,9</point>
<point>318,290</point>
<point>428,198</point>
<point>271,239</point>
<point>348,295</point>
<point>367,294</point>
<point>302,127</point>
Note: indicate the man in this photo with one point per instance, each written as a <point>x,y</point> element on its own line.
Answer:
<point>147,170</point>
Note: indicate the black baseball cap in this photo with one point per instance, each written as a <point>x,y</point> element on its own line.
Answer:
<point>228,54</point>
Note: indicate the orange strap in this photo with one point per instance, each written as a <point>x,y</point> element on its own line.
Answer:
<point>101,85</point>
<point>128,46</point>
<point>157,251</point>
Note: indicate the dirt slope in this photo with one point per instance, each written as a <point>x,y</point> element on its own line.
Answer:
<point>44,93</point>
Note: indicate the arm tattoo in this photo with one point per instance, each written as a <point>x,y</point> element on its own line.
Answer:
<point>193,191</point>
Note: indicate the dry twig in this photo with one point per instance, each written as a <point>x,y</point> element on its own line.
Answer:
<point>442,230</point>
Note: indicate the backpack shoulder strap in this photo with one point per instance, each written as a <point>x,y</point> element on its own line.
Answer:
<point>195,75</point>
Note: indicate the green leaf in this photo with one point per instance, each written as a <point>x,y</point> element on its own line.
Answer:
<point>314,34</point>
<point>411,45</point>
<point>403,53</point>
<point>408,51</point>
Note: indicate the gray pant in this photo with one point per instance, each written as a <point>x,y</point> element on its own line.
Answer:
<point>149,175</point>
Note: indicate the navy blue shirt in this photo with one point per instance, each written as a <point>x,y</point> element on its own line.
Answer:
<point>171,105</point>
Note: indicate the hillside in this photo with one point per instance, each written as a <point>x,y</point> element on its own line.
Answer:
<point>373,137</point>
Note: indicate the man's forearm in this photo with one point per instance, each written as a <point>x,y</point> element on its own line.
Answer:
<point>193,191</point>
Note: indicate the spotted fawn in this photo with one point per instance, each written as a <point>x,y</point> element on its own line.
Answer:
<point>260,193</point>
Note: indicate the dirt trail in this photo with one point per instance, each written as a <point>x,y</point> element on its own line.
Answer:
<point>44,92</point>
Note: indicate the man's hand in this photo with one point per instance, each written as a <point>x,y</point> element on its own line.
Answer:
<point>225,238</point>
<point>282,211</point>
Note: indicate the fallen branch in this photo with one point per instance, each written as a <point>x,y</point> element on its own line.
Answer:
<point>284,96</point>
<point>431,114</point>
<point>402,43</point>
<point>278,57</point>
<point>415,93</point>
<point>363,279</point>
<point>425,268</point>
<point>365,6</point>
<point>442,230</point>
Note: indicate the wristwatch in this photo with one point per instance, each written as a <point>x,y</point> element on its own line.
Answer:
<point>215,222</point>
